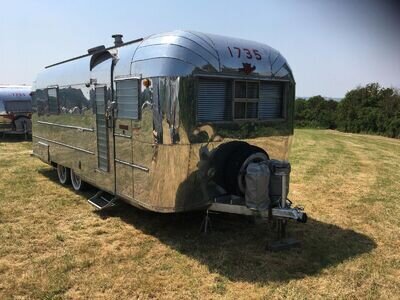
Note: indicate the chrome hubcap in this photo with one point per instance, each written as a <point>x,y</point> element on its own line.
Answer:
<point>62,173</point>
<point>76,180</point>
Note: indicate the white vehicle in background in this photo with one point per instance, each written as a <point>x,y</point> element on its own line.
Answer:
<point>15,109</point>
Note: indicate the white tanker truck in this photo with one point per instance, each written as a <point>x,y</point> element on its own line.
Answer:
<point>15,109</point>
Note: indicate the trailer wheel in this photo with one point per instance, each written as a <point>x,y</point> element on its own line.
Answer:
<point>77,182</point>
<point>63,174</point>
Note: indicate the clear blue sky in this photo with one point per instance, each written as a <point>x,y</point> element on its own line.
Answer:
<point>332,46</point>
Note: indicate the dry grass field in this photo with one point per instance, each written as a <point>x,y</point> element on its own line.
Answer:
<point>54,246</point>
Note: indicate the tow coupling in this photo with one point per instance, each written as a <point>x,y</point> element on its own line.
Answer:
<point>265,186</point>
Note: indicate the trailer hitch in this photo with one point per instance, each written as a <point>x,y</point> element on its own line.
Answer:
<point>290,213</point>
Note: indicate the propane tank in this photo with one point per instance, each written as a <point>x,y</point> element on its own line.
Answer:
<point>279,182</point>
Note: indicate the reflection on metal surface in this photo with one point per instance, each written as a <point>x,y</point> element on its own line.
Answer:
<point>160,156</point>
<point>66,126</point>
<point>132,165</point>
<point>42,151</point>
<point>43,144</point>
<point>124,179</point>
<point>65,145</point>
<point>123,135</point>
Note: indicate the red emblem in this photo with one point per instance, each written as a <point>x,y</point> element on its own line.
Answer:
<point>247,68</point>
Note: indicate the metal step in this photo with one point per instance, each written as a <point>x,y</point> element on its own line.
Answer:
<point>100,201</point>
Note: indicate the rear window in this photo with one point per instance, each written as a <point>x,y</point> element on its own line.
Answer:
<point>246,100</point>
<point>243,100</point>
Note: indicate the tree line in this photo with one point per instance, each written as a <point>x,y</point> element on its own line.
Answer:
<point>366,109</point>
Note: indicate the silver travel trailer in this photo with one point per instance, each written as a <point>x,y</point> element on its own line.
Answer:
<point>15,109</point>
<point>173,122</point>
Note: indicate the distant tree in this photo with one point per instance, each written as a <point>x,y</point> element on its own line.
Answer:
<point>316,112</point>
<point>370,109</point>
<point>300,108</point>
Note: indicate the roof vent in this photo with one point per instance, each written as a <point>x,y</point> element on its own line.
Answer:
<point>96,49</point>
<point>117,39</point>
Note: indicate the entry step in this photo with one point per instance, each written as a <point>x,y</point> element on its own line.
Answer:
<point>102,200</point>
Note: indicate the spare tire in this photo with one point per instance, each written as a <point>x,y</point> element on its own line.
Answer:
<point>227,161</point>
<point>220,158</point>
<point>236,160</point>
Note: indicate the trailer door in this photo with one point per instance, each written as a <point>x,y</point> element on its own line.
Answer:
<point>102,97</point>
<point>127,103</point>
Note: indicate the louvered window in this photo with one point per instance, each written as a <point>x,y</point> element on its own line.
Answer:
<point>101,128</point>
<point>212,105</point>
<point>270,104</point>
<point>128,99</point>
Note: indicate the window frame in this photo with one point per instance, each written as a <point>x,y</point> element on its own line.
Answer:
<point>245,100</point>
<point>56,88</point>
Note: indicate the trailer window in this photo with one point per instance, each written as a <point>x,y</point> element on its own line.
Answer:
<point>52,97</point>
<point>246,98</point>
<point>128,99</point>
<point>214,100</point>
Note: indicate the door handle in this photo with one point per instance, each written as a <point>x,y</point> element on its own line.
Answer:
<point>112,106</point>
<point>147,103</point>
<point>109,115</point>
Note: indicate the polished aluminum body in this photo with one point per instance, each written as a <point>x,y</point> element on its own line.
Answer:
<point>154,162</point>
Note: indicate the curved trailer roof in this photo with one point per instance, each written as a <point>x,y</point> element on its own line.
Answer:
<point>186,52</point>
<point>182,53</point>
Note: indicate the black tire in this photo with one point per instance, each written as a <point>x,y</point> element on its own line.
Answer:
<point>220,158</point>
<point>77,183</point>
<point>63,174</point>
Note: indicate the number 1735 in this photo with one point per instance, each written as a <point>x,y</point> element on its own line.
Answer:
<point>249,53</point>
